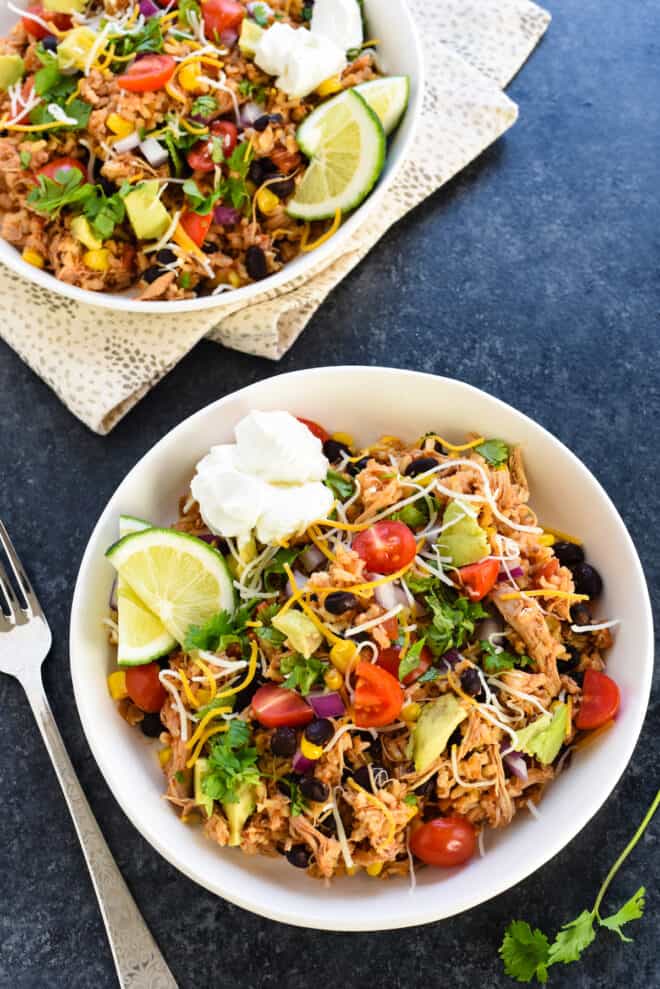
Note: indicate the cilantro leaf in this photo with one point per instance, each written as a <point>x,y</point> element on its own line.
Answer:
<point>573,939</point>
<point>104,212</point>
<point>148,39</point>
<point>216,702</point>
<point>298,803</point>
<point>632,910</point>
<point>421,585</point>
<point>65,189</point>
<point>78,111</point>
<point>198,202</point>
<point>411,800</point>
<point>340,486</point>
<point>302,674</point>
<point>497,660</point>
<point>235,188</point>
<point>284,556</point>
<point>267,632</point>
<point>495,452</point>
<point>232,764</point>
<point>431,674</point>
<point>25,158</point>
<point>453,619</point>
<point>410,661</point>
<point>204,106</point>
<point>220,630</point>
<point>260,13</point>
<point>256,92</point>
<point>525,952</point>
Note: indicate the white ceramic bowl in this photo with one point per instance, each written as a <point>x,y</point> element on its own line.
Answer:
<point>367,402</point>
<point>400,53</point>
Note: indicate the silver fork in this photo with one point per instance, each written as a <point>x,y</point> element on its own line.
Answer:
<point>25,641</point>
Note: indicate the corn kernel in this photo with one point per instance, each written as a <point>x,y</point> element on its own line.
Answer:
<point>189,77</point>
<point>333,679</point>
<point>309,750</point>
<point>117,685</point>
<point>344,438</point>
<point>33,258</point>
<point>97,260</point>
<point>342,655</point>
<point>119,126</point>
<point>375,869</point>
<point>164,755</point>
<point>547,539</point>
<point>351,870</point>
<point>267,201</point>
<point>411,712</point>
<point>329,86</point>
<point>234,279</point>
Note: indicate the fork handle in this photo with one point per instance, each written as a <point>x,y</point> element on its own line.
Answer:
<point>137,958</point>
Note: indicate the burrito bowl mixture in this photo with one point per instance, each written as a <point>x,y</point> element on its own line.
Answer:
<point>358,659</point>
<point>186,149</point>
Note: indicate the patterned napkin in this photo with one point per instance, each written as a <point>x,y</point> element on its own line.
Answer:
<point>101,363</point>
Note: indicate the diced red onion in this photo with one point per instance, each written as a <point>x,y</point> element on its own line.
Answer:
<point>300,580</point>
<point>449,660</point>
<point>112,600</point>
<point>153,151</point>
<point>229,37</point>
<point>311,559</point>
<point>249,113</point>
<point>226,216</point>
<point>388,596</point>
<point>515,763</point>
<point>301,764</point>
<point>149,9</point>
<point>328,705</point>
<point>127,143</point>
<point>513,572</point>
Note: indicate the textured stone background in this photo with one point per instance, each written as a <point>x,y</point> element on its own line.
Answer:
<point>535,276</point>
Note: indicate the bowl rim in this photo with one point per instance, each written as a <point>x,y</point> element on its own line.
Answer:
<point>317,260</point>
<point>545,851</point>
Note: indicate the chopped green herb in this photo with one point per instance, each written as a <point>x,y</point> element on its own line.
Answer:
<point>232,764</point>
<point>453,618</point>
<point>410,799</point>
<point>66,189</point>
<point>284,557</point>
<point>253,90</point>
<point>197,201</point>
<point>25,158</point>
<point>204,106</point>
<point>267,632</point>
<point>105,212</point>
<point>217,151</point>
<point>184,280</point>
<point>431,674</point>
<point>148,39</point>
<point>220,631</point>
<point>410,661</point>
<point>260,14</point>
<point>302,674</point>
<point>179,776</point>
<point>497,660</point>
<point>414,516</point>
<point>342,487</point>
<point>495,452</point>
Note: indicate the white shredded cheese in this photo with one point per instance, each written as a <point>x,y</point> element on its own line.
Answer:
<point>481,785</point>
<point>96,48</point>
<point>356,629</point>
<point>595,628</point>
<point>166,236</point>
<point>531,807</point>
<point>57,113</point>
<point>176,698</point>
<point>341,833</point>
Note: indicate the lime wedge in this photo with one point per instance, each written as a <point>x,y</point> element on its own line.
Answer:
<point>345,142</point>
<point>179,578</point>
<point>388,98</point>
<point>142,637</point>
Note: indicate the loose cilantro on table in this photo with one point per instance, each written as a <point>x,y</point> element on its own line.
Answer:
<point>232,764</point>
<point>302,674</point>
<point>197,201</point>
<point>221,630</point>
<point>342,487</point>
<point>495,452</point>
<point>497,660</point>
<point>528,953</point>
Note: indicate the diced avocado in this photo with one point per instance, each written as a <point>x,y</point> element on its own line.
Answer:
<point>12,68</point>
<point>65,6</point>
<point>301,633</point>
<point>201,799</point>
<point>148,216</point>
<point>544,737</point>
<point>435,726</point>
<point>249,37</point>
<point>82,231</point>
<point>73,50</point>
<point>464,541</point>
<point>238,813</point>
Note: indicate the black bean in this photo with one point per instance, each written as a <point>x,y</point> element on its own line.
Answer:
<point>580,614</point>
<point>334,450</point>
<point>284,786</point>
<point>282,189</point>
<point>340,601</point>
<point>261,123</point>
<point>283,742</point>
<point>255,262</point>
<point>471,683</point>
<point>313,789</point>
<point>244,696</point>
<point>438,447</point>
<point>427,789</point>
<point>328,826</point>
<point>455,738</point>
<point>578,676</point>
<point>151,725</point>
<point>209,248</point>
<point>587,580</point>
<point>568,554</point>
<point>152,273</point>
<point>165,256</point>
<point>49,43</point>
<point>260,169</point>
<point>319,731</point>
<point>363,778</point>
<point>573,661</point>
<point>420,466</point>
<point>298,855</point>
<point>109,188</point>
<point>355,468</point>
<point>276,118</point>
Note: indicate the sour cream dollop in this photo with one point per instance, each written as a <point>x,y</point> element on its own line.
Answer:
<point>300,60</point>
<point>268,483</point>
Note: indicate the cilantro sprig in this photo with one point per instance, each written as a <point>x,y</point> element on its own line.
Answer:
<point>67,188</point>
<point>232,764</point>
<point>221,630</point>
<point>302,674</point>
<point>197,201</point>
<point>527,953</point>
<point>453,618</point>
<point>342,487</point>
<point>496,660</point>
<point>148,39</point>
<point>266,632</point>
<point>494,452</point>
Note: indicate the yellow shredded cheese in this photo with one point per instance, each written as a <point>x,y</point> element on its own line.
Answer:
<point>202,742</point>
<point>190,697</point>
<point>193,130</point>
<point>249,676</point>
<point>332,229</point>
<point>564,536</point>
<point>209,676</point>
<point>543,593</point>
<point>174,93</point>
<point>209,716</point>
<point>452,446</point>
<point>318,541</point>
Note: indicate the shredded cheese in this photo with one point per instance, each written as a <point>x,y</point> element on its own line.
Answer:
<point>480,785</point>
<point>216,712</point>
<point>543,593</point>
<point>387,813</point>
<point>176,698</point>
<point>166,236</point>
<point>452,446</point>
<point>249,677</point>
<point>332,229</point>
<point>202,742</point>
<point>595,628</point>
<point>564,536</point>
<point>209,677</point>
<point>341,832</point>
<point>356,629</point>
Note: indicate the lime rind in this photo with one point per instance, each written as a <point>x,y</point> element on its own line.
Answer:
<point>388,98</point>
<point>345,142</point>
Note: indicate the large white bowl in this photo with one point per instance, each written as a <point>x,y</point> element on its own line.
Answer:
<point>400,53</point>
<point>368,402</point>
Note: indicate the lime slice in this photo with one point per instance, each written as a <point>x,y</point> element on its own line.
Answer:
<point>388,98</point>
<point>178,577</point>
<point>142,637</point>
<point>345,142</point>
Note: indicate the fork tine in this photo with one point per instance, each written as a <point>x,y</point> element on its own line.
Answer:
<point>9,598</point>
<point>24,584</point>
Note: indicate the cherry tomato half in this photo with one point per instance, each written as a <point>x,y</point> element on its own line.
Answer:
<point>276,707</point>
<point>200,155</point>
<point>388,659</point>
<point>600,700</point>
<point>196,226</point>
<point>315,429</point>
<point>549,569</point>
<point>222,15</point>
<point>61,21</point>
<point>144,687</point>
<point>62,165</point>
<point>444,841</point>
<point>386,546</point>
<point>378,696</point>
<point>479,578</point>
<point>148,73</point>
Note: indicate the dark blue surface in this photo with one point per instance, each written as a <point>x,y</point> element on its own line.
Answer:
<point>535,275</point>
